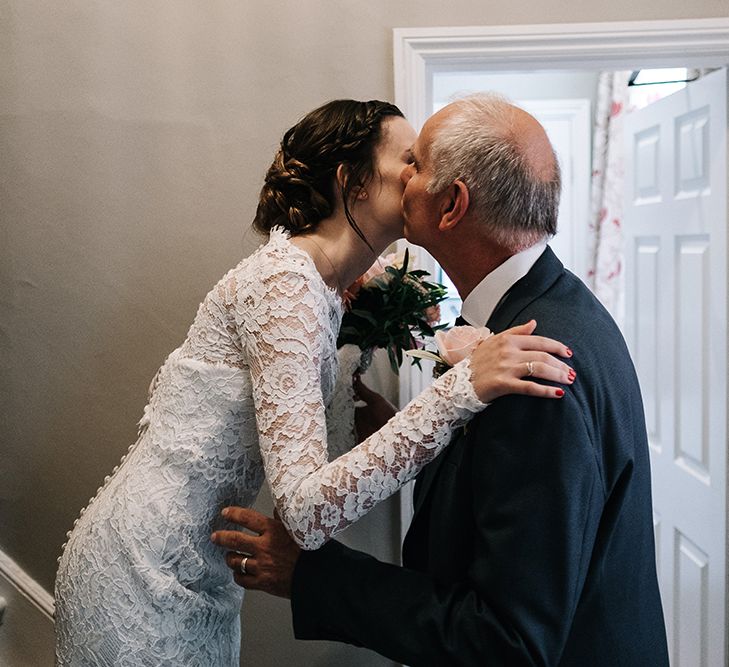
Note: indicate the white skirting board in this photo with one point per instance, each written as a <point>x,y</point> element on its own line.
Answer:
<point>27,629</point>
<point>28,587</point>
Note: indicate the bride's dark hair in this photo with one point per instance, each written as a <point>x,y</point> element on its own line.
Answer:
<point>300,185</point>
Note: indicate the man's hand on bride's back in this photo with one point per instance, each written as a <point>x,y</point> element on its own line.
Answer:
<point>268,553</point>
<point>506,363</point>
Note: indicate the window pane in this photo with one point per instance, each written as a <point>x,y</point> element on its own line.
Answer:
<point>450,308</point>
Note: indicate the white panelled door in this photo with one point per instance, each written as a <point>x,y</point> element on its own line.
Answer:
<point>676,324</point>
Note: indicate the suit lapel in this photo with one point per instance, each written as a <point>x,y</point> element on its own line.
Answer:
<point>545,272</point>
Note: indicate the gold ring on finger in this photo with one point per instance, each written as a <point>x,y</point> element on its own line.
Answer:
<point>530,368</point>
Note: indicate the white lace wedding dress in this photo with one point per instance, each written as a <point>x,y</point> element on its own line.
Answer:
<point>139,582</point>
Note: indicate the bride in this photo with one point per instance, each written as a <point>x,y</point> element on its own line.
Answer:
<point>246,395</point>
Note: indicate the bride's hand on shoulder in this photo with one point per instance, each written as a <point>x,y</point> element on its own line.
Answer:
<point>506,363</point>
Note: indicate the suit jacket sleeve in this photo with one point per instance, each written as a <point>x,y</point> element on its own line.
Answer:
<point>537,497</point>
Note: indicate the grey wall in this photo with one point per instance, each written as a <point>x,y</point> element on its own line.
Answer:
<point>133,139</point>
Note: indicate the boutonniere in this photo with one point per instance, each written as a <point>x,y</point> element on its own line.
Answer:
<point>454,345</point>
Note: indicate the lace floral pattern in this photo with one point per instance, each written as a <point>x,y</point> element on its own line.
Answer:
<point>139,582</point>
<point>341,435</point>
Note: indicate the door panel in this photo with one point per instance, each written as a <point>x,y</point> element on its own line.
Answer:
<point>676,325</point>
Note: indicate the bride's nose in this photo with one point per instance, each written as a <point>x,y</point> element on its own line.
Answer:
<point>407,173</point>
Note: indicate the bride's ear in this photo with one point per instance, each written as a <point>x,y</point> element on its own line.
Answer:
<point>342,176</point>
<point>454,204</point>
<point>358,192</point>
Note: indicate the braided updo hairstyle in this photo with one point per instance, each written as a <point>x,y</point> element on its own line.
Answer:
<point>300,188</point>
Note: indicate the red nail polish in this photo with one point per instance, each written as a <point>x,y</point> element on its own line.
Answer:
<point>560,393</point>
<point>569,352</point>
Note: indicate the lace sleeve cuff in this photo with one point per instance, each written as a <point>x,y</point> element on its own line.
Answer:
<point>456,383</point>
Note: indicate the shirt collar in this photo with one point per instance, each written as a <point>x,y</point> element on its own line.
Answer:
<point>480,304</point>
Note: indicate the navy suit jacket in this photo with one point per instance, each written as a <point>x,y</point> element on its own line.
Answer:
<point>532,539</point>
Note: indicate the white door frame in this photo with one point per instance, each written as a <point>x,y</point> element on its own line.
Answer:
<point>418,52</point>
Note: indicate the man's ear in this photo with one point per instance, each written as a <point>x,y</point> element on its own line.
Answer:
<point>454,205</point>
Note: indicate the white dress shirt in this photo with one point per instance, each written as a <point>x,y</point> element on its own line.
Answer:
<point>479,305</point>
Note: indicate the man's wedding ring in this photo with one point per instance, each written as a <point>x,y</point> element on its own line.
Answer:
<point>242,566</point>
<point>530,368</point>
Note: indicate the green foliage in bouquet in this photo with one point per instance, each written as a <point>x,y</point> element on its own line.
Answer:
<point>390,310</point>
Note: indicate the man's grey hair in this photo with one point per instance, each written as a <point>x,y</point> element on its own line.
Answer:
<point>516,206</point>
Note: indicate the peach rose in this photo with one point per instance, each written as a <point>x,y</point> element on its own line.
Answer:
<point>459,343</point>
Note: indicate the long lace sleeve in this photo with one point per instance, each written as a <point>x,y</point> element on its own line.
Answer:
<point>341,434</point>
<point>288,338</point>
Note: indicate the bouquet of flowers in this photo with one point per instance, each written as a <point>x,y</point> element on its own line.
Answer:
<point>392,307</point>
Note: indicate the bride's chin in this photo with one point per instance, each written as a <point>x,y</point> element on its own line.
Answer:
<point>400,233</point>
<point>399,228</point>
<point>405,231</point>
<point>391,231</point>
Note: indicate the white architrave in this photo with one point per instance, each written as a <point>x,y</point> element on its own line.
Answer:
<point>26,585</point>
<point>418,52</point>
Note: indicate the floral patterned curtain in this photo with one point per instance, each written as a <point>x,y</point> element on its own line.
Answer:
<point>605,273</point>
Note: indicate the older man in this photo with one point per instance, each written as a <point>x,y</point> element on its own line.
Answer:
<point>532,540</point>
